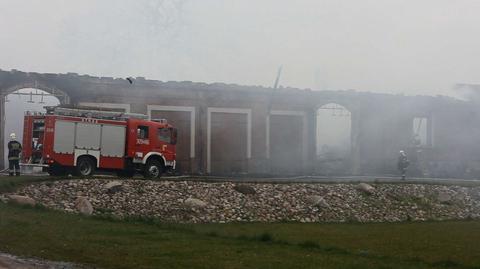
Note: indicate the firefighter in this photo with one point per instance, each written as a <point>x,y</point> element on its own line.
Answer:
<point>14,149</point>
<point>403,163</point>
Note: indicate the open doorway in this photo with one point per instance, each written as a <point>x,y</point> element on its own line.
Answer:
<point>419,150</point>
<point>16,104</point>
<point>420,132</point>
<point>333,140</point>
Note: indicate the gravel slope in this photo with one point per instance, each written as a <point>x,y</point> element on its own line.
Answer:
<point>192,202</point>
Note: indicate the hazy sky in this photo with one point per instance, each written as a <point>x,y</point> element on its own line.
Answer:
<point>423,46</point>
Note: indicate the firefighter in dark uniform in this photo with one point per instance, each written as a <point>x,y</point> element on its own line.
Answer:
<point>14,149</point>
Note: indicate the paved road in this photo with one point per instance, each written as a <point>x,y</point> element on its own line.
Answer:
<point>351,179</point>
<point>311,179</point>
<point>8,261</point>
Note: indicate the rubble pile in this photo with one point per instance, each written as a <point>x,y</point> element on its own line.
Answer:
<point>193,202</point>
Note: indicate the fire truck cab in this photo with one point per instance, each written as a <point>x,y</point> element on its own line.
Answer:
<point>82,140</point>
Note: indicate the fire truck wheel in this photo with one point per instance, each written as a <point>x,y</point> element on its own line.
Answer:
<point>85,167</point>
<point>153,169</point>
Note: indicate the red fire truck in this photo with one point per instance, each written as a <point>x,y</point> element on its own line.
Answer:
<point>81,140</point>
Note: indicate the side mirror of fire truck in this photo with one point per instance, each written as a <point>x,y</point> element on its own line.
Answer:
<point>173,133</point>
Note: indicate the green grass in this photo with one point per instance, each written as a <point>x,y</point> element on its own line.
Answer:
<point>432,242</point>
<point>146,243</point>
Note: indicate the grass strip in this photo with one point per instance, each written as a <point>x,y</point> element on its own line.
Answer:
<point>144,243</point>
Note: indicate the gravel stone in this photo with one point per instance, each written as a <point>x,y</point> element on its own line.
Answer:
<point>83,206</point>
<point>220,202</point>
<point>245,189</point>
<point>21,200</point>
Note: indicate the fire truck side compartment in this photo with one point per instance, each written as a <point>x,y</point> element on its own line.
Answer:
<point>64,137</point>
<point>87,136</point>
<point>89,139</point>
<point>113,141</point>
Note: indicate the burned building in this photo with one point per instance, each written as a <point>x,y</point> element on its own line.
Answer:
<point>233,129</point>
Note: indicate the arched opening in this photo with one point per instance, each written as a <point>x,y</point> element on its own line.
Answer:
<point>16,104</point>
<point>333,140</point>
